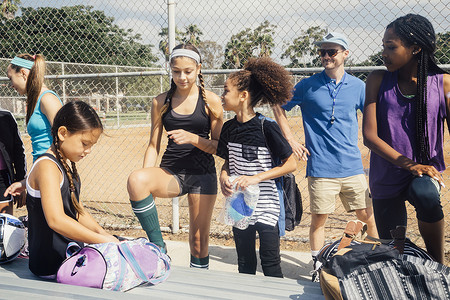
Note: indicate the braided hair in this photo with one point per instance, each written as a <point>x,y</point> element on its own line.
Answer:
<point>75,116</point>
<point>173,86</point>
<point>266,81</point>
<point>416,30</point>
<point>35,80</point>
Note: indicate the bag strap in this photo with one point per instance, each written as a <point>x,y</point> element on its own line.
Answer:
<point>72,248</point>
<point>399,236</point>
<point>351,231</point>
<point>262,119</point>
<point>279,183</point>
<point>129,257</point>
<point>165,258</point>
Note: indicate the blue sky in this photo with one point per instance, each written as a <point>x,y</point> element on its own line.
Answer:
<point>362,21</point>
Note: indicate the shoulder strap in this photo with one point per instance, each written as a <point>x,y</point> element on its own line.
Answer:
<point>262,118</point>
<point>46,92</point>
<point>350,232</point>
<point>126,252</point>
<point>129,257</point>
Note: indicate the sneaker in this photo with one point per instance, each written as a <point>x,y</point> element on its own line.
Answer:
<point>24,253</point>
<point>317,266</point>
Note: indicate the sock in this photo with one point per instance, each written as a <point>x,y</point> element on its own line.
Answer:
<point>145,211</point>
<point>314,253</point>
<point>200,263</point>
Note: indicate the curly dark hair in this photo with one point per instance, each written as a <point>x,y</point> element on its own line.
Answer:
<point>266,81</point>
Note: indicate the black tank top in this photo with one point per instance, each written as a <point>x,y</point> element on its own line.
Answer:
<point>47,247</point>
<point>188,158</point>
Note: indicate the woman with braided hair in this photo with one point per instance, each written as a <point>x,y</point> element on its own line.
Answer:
<point>56,216</point>
<point>248,142</point>
<point>192,118</point>
<point>403,126</point>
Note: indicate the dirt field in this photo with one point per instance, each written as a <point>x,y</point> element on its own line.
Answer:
<point>105,171</point>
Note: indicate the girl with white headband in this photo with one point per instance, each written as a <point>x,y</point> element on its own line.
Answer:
<point>26,73</point>
<point>192,118</point>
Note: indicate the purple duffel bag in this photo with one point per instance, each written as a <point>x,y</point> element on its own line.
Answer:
<point>117,267</point>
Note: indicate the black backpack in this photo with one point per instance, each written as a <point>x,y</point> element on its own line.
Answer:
<point>293,205</point>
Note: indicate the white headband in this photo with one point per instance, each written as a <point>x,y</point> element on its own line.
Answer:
<point>186,53</point>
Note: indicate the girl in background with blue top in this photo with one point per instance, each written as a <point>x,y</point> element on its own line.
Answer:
<point>26,73</point>
<point>247,143</point>
<point>403,126</point>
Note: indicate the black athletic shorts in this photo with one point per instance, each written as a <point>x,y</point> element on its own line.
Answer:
<point>205,184</point>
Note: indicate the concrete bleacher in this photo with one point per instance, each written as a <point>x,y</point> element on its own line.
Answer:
<point>17,282</point>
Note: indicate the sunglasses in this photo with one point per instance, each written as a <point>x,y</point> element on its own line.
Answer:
<point>330,52</point>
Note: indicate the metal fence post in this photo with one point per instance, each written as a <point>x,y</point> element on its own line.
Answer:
<point>63,85</point>
<point>171,25</point>
<point>171,33</point>
<point>117,99</point>
<point>175,214</point>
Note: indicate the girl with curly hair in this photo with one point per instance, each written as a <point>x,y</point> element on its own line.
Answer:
<point>247,143</point>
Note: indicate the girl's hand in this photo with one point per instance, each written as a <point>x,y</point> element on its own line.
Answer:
<point>419,170</point>
<point>110,239</point>
<point>225,184</point>
<point>15,189</point>
<point>242,182</point>
<point>180,136</point>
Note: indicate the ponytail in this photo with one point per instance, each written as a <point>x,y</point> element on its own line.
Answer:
<point>35,80</point>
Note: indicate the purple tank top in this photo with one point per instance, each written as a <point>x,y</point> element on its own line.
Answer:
<point>397,126</point>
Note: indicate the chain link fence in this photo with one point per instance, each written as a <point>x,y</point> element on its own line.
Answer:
<point>112,54</point>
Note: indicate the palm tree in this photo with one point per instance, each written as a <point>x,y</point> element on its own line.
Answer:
<point>164,42</point>
<point>192,35</point>
<point>9,8</point>
<point>302,48</point>
<point>263,38</point>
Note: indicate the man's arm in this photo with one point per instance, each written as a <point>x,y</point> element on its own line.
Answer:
<point>280,116</point>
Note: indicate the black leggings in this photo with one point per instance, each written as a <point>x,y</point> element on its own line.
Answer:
<point>423,193</point>
<point>269,249</point>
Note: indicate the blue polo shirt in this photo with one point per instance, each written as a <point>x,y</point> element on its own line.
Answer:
<point>333,147</point>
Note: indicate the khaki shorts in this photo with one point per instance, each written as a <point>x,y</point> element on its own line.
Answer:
<point>353,192</point>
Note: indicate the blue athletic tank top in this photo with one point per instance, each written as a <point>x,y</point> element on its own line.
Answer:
<point>39,129</point>
<point>188,158</point>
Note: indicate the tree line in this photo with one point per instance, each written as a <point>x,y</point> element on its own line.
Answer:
<point>81,34</point>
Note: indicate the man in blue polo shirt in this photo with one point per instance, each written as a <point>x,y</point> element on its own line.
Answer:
<point>329,102</point>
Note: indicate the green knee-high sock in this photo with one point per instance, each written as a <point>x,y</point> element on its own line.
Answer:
<point>145,211</point>
<point>200,263</point>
